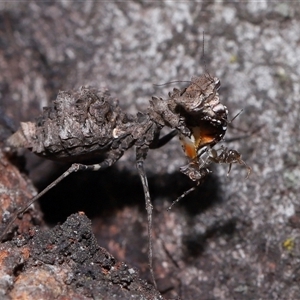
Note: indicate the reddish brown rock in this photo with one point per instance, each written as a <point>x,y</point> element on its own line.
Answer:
<point>66,263</point>
<point>15,192</point>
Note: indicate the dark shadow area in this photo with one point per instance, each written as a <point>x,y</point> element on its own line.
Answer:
<point>205,196</point>
<point>95,193</point>
<point>114,200</point>
<point>101,193</point>
<point>195,244</point>
<point>174,185</point>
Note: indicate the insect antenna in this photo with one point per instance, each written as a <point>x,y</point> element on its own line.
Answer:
<point>171,82</point>
<point>235,116</point>
<point>181,81</point>
<point>246,135</point>
<point>203,56</point>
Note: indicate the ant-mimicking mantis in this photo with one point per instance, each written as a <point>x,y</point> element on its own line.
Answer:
<point>84,124</point>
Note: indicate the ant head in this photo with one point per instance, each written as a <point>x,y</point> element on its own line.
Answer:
<point>193,171</point>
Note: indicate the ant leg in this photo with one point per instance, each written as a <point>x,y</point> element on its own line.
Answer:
<point>229,169</point>
<point>249,170</point>
<point>194,173</point>
<point>114,156</point>
<point>159,142</point>
<point>182,196</point>
<point>140,157</point>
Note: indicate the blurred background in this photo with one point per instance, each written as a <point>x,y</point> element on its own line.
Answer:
<point>231,239</point>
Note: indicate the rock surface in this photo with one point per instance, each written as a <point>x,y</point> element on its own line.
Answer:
<point>66,263</point>
<point>233,238</point>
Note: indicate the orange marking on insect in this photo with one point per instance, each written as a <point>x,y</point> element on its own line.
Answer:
<point>202,137</point>
<point>190,150</point>
<point>205,140</point>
